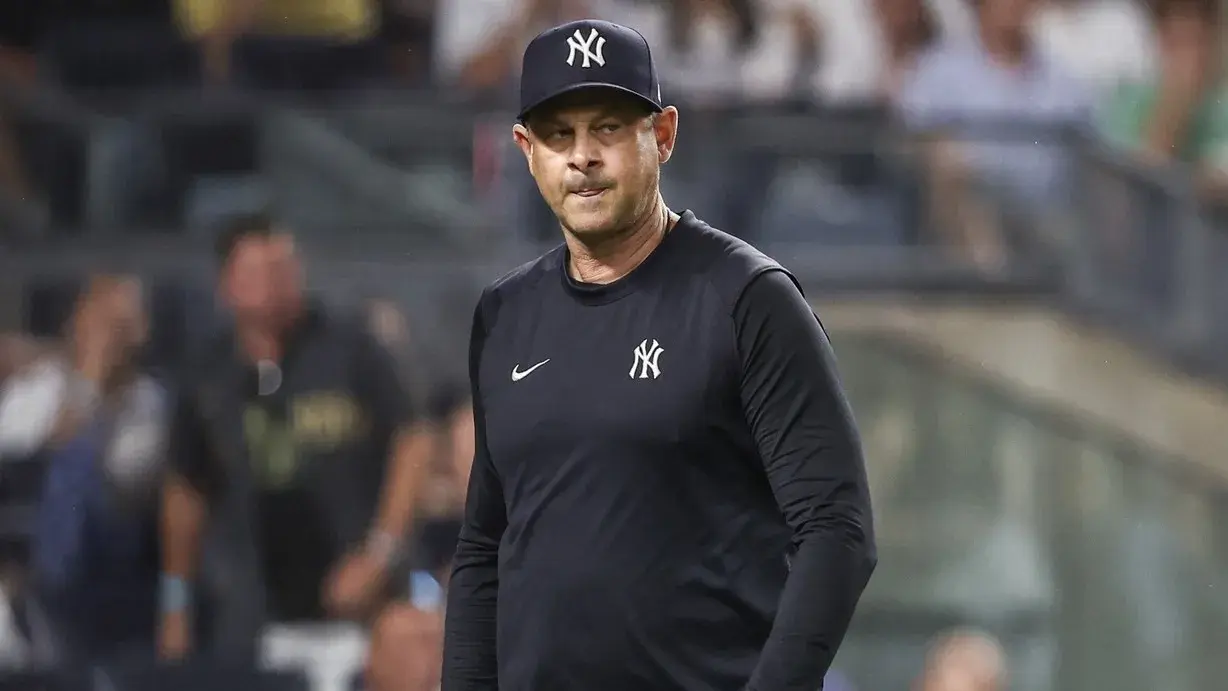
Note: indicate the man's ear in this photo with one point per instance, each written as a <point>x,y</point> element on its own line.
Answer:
<point>665,129</point>
<point>524,140</point>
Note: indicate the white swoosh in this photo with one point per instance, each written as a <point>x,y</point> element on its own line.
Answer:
<point>517,375</point>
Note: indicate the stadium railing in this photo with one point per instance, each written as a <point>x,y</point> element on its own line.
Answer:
<point>839,194</point>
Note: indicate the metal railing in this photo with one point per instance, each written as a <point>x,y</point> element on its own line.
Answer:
<point>839,195</point>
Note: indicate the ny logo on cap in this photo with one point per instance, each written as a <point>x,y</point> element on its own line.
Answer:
<point>590,49</point>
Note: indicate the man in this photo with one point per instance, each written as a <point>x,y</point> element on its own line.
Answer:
<point>96,425</point>
<point>981,184</point>
<point>668,490</point>
<point>278,449</point>
<point>964,660</point>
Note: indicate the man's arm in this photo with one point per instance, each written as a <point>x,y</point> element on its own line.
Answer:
<point>810,448</point>
<point>189,480</point>
<point>184,491</point>
<point>386,394</point>
<point>469,662</point>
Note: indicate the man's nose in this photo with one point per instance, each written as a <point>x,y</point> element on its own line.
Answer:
<point>585,152</point>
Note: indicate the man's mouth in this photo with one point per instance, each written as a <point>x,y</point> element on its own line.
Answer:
<point>588,192</point>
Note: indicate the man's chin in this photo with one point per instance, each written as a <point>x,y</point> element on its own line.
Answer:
<point>591,226</point>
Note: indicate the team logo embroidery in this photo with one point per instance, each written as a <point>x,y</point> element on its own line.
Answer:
<point>591,49</point>
<point>646,357</point>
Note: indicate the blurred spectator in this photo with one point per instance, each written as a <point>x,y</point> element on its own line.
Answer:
<point>445,403</point>
<point>297,448</point>
<point>908,28</point>
<point>308,45</point>
<point>1180,114</point>
<point>720,51</point>
<point>408,34</point>
<point>484,54</point>
<point>407,642</point>
<point>1103,42</point>
<point>406,650</point>
<point>867,46</point>
<point>964,660</point>
<point>103,44</point>
<point>99,426</point>
<point>21,28</point>
<point>977,96</point>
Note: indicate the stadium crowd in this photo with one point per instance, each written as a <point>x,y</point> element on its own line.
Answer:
<point>93,395</point>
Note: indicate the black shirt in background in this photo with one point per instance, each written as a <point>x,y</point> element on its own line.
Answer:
<point>306,521</point>
<point>701,525</point>
<point>108,10</point>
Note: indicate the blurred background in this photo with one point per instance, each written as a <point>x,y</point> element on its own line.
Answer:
<point>1010,215</point>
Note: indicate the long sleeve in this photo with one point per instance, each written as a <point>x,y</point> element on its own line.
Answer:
<point>469,662</point>
<point>805,433</point>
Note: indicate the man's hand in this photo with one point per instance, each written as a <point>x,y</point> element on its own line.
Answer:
<point>354,585</point>
<point>174,637</point>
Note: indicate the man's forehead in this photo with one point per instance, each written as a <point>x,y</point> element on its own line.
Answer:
<point>588,104</point>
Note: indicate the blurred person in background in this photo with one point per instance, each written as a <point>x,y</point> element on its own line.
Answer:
<point>1180,115</point>
<point>408,32</point>
<point>870,49</point>
<point>478,42</point>
<point>1104,43</point>
<point>908,29</point>
<point>98,424</point>
<point>983,179</point>
<point>964,660</point>
<point>730,53</point>
<point>716,52</point>
<point>110,44</point>
<point>296,459</point>
<point>21,29</point>
<point>407,648</point>
<point>288,45</point>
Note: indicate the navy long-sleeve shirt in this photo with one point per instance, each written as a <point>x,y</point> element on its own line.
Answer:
<point>668,491</point>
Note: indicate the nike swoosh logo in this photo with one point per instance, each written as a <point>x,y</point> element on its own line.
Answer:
<point>517,375</point>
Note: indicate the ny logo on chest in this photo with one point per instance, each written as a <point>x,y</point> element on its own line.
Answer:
<point>647,360</point>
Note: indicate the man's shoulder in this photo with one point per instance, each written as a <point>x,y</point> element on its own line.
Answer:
<point>519,283</point>
<point>728,263</point>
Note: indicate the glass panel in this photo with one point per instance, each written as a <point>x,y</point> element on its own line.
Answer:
<point>1095,562</point>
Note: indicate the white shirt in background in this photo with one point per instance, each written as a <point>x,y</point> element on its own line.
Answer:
<point>1102,42</point>
<point>852,54</point>
<point>464,28</point>
<point>769,68</point>
<point>853,57</point>
<point>713,67</point>
<point>30,404</point>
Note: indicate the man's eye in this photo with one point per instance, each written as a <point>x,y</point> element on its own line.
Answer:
<point>610,128</point>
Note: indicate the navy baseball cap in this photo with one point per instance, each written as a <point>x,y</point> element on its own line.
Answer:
<point>584,54</point>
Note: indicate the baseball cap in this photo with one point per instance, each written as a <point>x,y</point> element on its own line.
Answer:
<point>588,53</point>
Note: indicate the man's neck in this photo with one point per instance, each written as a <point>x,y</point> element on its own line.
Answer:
<point>265,340</point>
<point>260,343</point>
<point>608,261</point>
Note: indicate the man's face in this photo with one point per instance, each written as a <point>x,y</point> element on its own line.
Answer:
<point>263,278</point>
<point>596,156</point>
